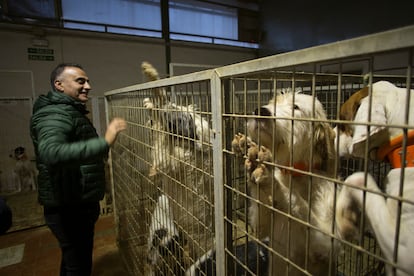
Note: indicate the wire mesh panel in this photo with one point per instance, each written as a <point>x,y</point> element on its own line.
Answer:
<point>295,164</point>
<point>304,203</point>
<point>278,220</point>
<point>163,176</point>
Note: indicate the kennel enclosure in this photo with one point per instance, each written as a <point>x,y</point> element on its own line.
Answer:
<point>226,97</point>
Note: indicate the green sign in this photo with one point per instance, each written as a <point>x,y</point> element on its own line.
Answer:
<point>41,54</point>
<point>41,51</point>
<point>40,57</point>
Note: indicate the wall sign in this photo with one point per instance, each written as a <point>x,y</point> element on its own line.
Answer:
<point>40,54</point>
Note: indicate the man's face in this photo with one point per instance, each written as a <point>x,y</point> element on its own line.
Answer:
<point>75,83</point>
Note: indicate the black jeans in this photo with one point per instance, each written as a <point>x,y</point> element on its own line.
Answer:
<point>74,227</point>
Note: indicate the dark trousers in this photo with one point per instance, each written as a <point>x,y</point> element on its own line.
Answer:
<point>74,226</point>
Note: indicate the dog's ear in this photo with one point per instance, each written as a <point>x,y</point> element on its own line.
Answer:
<point>349,109</point>
<point>324,145</point>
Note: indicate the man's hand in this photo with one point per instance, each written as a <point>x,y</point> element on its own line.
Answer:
<point>114,128</point>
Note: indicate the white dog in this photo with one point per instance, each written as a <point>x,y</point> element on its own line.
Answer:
<point>389,105</point>
<point>25,172</point>
<point>282,147</point>
<point>181,167</point>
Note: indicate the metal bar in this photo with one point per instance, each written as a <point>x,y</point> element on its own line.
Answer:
<point>216,110</point>
<point>379,42</point>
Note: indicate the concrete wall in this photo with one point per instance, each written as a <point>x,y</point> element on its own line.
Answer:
<point>111,61</point>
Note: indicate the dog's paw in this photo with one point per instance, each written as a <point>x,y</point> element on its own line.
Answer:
<point>243,146</point>
<point>260,171</point>
<point>252,154</point>
<point>264,155</point>
<point>347,220</point>
<point>261,174</point>
<point>255,157</point>
<point>148,104</point>
<point>240,144</point>
<point>152,171</point>
<point>235,145</point>
<point>348,214</point>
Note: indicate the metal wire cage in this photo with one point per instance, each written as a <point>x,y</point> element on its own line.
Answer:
<point>182,195</point>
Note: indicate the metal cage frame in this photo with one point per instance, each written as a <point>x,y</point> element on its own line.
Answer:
<point>232,93</point>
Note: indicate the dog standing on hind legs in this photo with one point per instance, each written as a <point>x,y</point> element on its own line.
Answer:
<point>284,135</point>
<point>182,169</point>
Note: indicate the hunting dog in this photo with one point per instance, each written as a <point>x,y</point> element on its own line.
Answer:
<point>287,140</point>
<point>385,107</point>
<point>183,219</point>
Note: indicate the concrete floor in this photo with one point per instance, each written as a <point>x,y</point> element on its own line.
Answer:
<point>41,255</point>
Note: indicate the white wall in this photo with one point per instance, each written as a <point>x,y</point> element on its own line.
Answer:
<point>111,61</point>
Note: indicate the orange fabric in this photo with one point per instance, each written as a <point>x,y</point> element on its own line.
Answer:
<point>392,151</point>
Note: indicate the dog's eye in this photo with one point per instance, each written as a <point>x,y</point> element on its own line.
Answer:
<point>296,107</point>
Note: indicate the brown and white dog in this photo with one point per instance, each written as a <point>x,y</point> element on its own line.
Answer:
<point>182,222</point>
<point>289,140</point>
<point>389,110</point>
<point>384,111</point>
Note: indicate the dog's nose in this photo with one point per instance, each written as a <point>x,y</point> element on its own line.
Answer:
<point>262,112</point>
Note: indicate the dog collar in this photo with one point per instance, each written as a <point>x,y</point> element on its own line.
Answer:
<point>300,166</point>
<point>392,151</point>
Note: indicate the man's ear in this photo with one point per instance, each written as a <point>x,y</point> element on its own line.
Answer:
<point>58,85</point>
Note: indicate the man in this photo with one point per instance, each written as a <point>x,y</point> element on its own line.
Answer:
<point>70,160</point>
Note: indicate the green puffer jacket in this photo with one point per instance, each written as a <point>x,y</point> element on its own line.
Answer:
<point>69,154</point>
